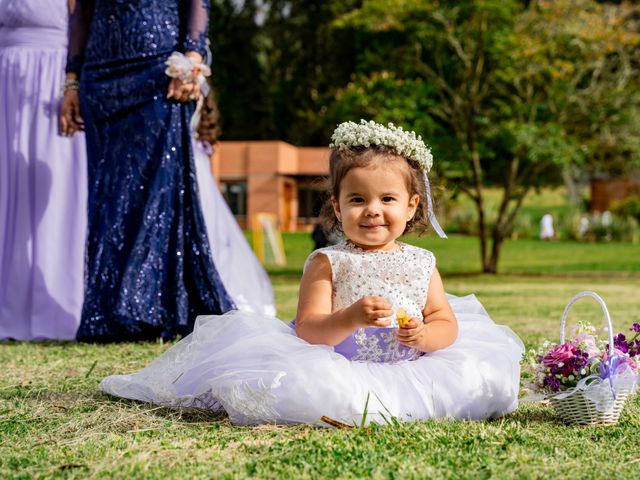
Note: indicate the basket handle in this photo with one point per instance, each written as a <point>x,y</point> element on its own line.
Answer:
<point>604,309</point>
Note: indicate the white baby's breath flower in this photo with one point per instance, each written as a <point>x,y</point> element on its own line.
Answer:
<point>365,134</point>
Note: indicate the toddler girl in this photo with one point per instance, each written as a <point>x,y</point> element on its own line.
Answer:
<point>375,334</point>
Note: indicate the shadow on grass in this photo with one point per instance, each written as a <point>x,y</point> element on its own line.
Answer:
<point>531,416</point>
<point>176,414</point>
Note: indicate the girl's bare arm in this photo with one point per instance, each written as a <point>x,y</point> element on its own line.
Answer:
<point>315,321</point>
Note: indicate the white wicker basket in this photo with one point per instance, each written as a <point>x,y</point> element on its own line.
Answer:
<point>576,408</point>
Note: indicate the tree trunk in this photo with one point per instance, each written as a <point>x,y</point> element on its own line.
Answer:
<point>572,188</point>
<point>482,230</point>
<point>479,200</point>
<point>503,220</point>
<point>491,264</point>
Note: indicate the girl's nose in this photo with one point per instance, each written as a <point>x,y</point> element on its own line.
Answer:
<point>372,210</point>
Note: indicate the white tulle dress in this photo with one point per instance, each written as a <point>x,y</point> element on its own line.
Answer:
<point>256,369</point>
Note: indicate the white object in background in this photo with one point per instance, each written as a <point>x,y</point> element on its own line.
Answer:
<point>546,227</point>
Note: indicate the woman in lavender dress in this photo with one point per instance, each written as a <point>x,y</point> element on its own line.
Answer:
<point>42,178</point>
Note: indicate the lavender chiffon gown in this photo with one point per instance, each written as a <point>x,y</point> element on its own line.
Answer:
<point>43,179</point>
<point>257,370</point>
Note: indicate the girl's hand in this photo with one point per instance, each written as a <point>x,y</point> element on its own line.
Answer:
<point>413,334</point>
<point>183,91</point>
<point>368,312</point>
<point>70,119</point>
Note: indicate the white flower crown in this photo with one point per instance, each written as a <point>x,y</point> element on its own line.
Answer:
<point>365,134</point>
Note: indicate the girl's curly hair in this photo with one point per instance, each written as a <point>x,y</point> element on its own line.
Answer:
<point>342,161</point>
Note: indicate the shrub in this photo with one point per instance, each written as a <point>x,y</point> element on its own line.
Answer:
<point>523,226</point>
<point>616,229</point>
<point>463,220</point>
<point>573,226</point>
<point>629,207</point>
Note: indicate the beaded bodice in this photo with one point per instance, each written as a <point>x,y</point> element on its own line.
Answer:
<point>401,276</point>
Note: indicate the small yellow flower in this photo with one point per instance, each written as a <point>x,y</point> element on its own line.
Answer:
<point>402,317</point>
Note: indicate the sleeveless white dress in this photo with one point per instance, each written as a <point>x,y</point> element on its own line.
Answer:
<point>257,370</point>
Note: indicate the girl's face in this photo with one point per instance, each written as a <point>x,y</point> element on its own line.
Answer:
<point>374,205</point>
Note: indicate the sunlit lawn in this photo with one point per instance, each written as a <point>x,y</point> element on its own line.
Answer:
<point>54,423</point>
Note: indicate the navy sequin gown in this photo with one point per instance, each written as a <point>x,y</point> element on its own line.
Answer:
<point>149,268</point>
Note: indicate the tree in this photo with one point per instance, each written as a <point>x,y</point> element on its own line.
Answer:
<point>274,62</point>
<point>457,49</point>
<point>305,59</point>
<point>511,94</point>
<point>492,71</point>
<point>580,61</point>
<point>238,75</point>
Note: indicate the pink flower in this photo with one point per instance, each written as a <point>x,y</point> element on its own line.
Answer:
<point>588,344</point>
<point>560,353</point>
<point>624,362</point>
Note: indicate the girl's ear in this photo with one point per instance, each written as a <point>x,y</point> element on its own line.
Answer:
<point>414,201</point>
<point>336,208</point>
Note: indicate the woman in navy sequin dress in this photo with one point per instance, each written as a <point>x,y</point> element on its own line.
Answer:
<point>149,268</point>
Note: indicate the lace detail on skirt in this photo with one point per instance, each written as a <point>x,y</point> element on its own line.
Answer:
<point>255,401</point>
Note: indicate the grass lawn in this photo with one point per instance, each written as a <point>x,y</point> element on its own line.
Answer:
<point>54,423</point>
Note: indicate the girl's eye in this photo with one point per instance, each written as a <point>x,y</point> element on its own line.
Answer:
<point>356,200</point>
<point>388,199</point>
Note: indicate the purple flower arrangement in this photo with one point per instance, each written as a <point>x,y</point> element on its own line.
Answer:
<point>560,367</point>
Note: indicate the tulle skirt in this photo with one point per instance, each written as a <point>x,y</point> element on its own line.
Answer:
<point>43,190</point>
<point>257,370</point>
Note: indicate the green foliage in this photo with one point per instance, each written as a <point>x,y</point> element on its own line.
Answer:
<point>509,94</point>
<point>272,63</point>
<point>587,228</point>
<point>384,98</point>
<point>618,229</point>
<point>429,50</point>
<point>542,80</point>
<point>305,60</point>
<point>630,207</point>
<point>239,77</point>
<point>576,65</point>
